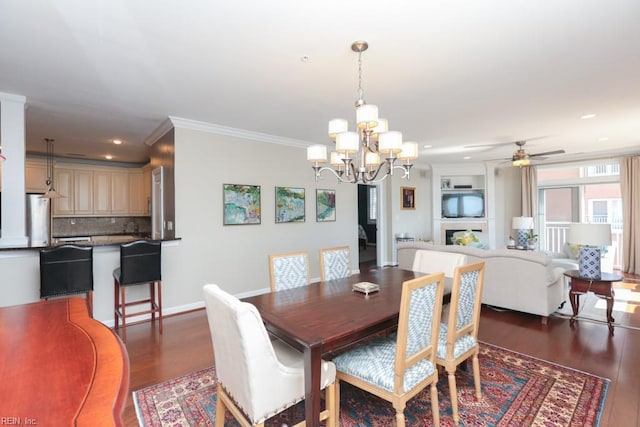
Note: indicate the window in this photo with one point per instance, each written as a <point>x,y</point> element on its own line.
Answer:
<point>372,204</point>
<point>588,193</point>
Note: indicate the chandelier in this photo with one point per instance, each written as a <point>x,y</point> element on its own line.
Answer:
<point>356,158</point>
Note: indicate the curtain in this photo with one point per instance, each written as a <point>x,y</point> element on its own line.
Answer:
<point>530,193</point>
<point>630,190</point>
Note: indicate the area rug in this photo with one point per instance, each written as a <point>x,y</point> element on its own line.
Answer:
<point>594,308</point>
<point>518,390</point>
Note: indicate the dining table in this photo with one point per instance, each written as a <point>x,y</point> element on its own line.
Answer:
<point>324,317</point>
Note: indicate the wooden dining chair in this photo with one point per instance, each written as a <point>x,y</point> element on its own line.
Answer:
<point>257,377</point>
<point>397,368</point>
<point>458,339</point>
<point>288,271</point>
<point>432,261</point>
<point>335,263</point>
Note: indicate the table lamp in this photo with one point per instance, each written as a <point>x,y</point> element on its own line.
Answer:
<point>592,237</point>
<point>522,224</point>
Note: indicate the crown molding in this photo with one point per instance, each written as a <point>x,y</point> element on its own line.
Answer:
<point>159,132</point>
<point>179,122</point>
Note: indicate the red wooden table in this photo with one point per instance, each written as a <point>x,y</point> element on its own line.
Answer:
<point>326,316</point>
<point>59,367</point>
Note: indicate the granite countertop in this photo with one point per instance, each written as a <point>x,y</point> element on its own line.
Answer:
<point>110,240</point>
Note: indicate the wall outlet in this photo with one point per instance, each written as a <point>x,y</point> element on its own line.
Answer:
<point>73,222</point>
<point>113,220</point>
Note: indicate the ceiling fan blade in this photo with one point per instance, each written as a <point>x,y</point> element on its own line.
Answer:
<point>547,153</point>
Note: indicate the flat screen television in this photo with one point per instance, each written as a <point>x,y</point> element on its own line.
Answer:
<point>463,204</point>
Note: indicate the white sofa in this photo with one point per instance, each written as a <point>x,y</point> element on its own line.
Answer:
<point>518,280</point>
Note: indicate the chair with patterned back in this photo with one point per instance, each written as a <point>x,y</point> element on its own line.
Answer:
<point>396,368</point>
<point>433,261</point>
<point>458,339</point>
<point>257,377</point>
<point>67,270</point>
<point>287,271</point>
<point>335,263</point>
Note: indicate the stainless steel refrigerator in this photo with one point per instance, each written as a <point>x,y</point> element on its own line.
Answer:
<point>38,220</point>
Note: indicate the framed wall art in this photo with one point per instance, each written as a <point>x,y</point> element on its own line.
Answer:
<point>325,205</point>
<point>241,204</point>
<point>408,197</point>
<point>289,204</point>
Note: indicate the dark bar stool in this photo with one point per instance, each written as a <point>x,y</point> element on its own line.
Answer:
<point>67,270</point>
<point>140,263</point>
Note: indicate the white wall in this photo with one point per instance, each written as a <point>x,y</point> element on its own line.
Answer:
<point>236,257</point>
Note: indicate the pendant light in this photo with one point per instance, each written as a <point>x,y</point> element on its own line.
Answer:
<point>51,191</point>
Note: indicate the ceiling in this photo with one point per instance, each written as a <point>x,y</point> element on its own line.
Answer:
<point>449,75</point>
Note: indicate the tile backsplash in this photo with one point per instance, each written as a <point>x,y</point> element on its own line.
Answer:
<point>94,226</point>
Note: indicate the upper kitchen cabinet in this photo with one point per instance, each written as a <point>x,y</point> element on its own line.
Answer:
<point>101,191</point>
<point>35,177</point>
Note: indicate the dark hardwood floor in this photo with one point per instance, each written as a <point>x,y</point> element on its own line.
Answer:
<point>185,346</point>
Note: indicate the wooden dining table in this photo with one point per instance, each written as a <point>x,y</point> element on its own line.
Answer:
<point>60,367</point>
<point>326,316</point>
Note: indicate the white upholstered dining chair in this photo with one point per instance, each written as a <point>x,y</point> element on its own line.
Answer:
<point>458,339</point>
<point>257,377</point>
<point>396,368</point>
<point>434,261</point>
<point>335,263</point>
<point>288,271</point>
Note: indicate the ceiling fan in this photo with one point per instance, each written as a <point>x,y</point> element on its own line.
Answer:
<point>522,158</point>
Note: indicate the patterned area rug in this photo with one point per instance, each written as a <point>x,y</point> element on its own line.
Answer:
<point>518,390</point>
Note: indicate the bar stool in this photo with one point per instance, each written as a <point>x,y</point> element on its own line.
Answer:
<point>140,263</point>
<point>67,270</point>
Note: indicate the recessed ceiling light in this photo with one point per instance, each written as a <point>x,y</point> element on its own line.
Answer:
<point>466,157</point>
<point>108,157</point>
<point>117,141</point>
<point>427,146</point>
<point>587,116</point>
<point>603,139</point>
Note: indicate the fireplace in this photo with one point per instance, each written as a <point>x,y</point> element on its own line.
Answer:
<point>447,229</point>
<point>448,234</point>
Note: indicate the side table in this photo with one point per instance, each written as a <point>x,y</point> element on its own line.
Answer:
<point>601,287</point>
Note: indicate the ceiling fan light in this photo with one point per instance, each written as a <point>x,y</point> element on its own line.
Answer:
<point>521,162</point>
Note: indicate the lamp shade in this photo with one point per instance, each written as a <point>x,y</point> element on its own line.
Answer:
<point>390,142</point>
<point>347,142</point>
<point>590,234</point>
<point>317,153</point>
<point>409,151</point>
<point>367,116</point>
<point>336,126</point>
<point>522,223</point>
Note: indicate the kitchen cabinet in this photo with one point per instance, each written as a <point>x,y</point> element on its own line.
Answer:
<point>120,193</point>
<point>35,177</point>
<point>111,193</point>
<point>100,191</point>
<point>137,201</point>
<point>63,183</point>
<point>146,189</point>
<point>83,192</point>
<point>76,187</point>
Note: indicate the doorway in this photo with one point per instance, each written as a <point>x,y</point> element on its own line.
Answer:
<point>367,225</point>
